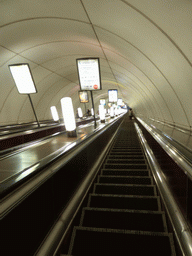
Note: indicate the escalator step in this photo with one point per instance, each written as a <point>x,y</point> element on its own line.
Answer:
<point>150,203</point>
<point>125,156</point>
<point>127,150</point>
<point>125,166</point>
<point>124,180</point>
<point>94,242</point>
<point>125,172</point>
<point>125,153</point>
<point>125,161</point>
<point>124,219</point>
<point>126,147</point>
<point>121,189</point>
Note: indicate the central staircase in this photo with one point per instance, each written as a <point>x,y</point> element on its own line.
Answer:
<point>123,215</point>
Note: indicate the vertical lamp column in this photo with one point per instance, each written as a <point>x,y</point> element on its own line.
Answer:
<point>112,112</point>
<point>68,116</point>
<point>54,113</point>
<point>80,113</point>
<point>24,81</point>
<point>102,113</point>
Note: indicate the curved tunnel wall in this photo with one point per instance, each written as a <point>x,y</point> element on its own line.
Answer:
<point>144,49</point>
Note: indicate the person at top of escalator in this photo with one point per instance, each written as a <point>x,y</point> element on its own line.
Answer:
<point>130,113</point>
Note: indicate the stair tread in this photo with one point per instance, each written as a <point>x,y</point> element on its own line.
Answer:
<point>126,196</point>
<point>122,210</point>
<point>125,185</point>
<point>108,169</point>
<point>123,219</point>
<point>124,180</point>
<point>121,176</point>
<point>133,189</point>
<point>98,241</point>
<point>126,173</point>
<point>125,166</point>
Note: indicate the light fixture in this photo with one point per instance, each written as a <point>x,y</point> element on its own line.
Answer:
<point>80,113</point>
<point>23,78</point>
<point>24,81</point>
<point>68,116</point>
<point>112,112</point>
<point>54,113</point>
<point>102,113</point>
<point>112,93</point>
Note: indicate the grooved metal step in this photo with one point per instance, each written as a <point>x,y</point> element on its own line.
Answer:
<point>118,219</point>
<point>125,166</point>
<point>126,150</point>
<point>125,161</point>
<point>150,203</point>
<point>122,172</point>
<point>125,153</point>
<point>124,180</point>
<point>125,157</point>
<point>97,241</point>
<point>122,189</point>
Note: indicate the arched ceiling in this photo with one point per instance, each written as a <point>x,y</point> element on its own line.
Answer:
<point>144,47</point>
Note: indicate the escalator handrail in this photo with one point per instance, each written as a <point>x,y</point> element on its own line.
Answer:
<point>180,226</point>
<point>172,151</point>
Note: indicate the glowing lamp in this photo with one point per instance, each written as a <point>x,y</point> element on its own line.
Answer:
<point>116,111</point>
<point>54,113</point>
<point>23,79</point>
<point>68,116</point>
<point>112,112</point>
<point>80,113</point>
<point>102,113</point>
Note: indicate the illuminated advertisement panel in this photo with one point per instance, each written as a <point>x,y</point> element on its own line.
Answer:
<point>23,78</point>
<point>89,74</point>
<point>112,95</point>
<point>83,96</point>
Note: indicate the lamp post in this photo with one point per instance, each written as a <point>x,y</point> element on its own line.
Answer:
<point>54,113</point>
<point>24,82</point>
<point>68,116</point>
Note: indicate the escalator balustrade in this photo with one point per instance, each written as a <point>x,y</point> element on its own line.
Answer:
<point>123,215</point>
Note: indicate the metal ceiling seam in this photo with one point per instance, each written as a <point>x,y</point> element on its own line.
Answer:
<point>59,41</point>
<point>9,58</point>
<point>97,37</point>
<point>6,99</point>
<point>155,67</point>
<point>41,18</point>
<point>159,28</point>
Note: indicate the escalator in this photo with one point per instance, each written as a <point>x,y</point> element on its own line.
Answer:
<point>123,215</point>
